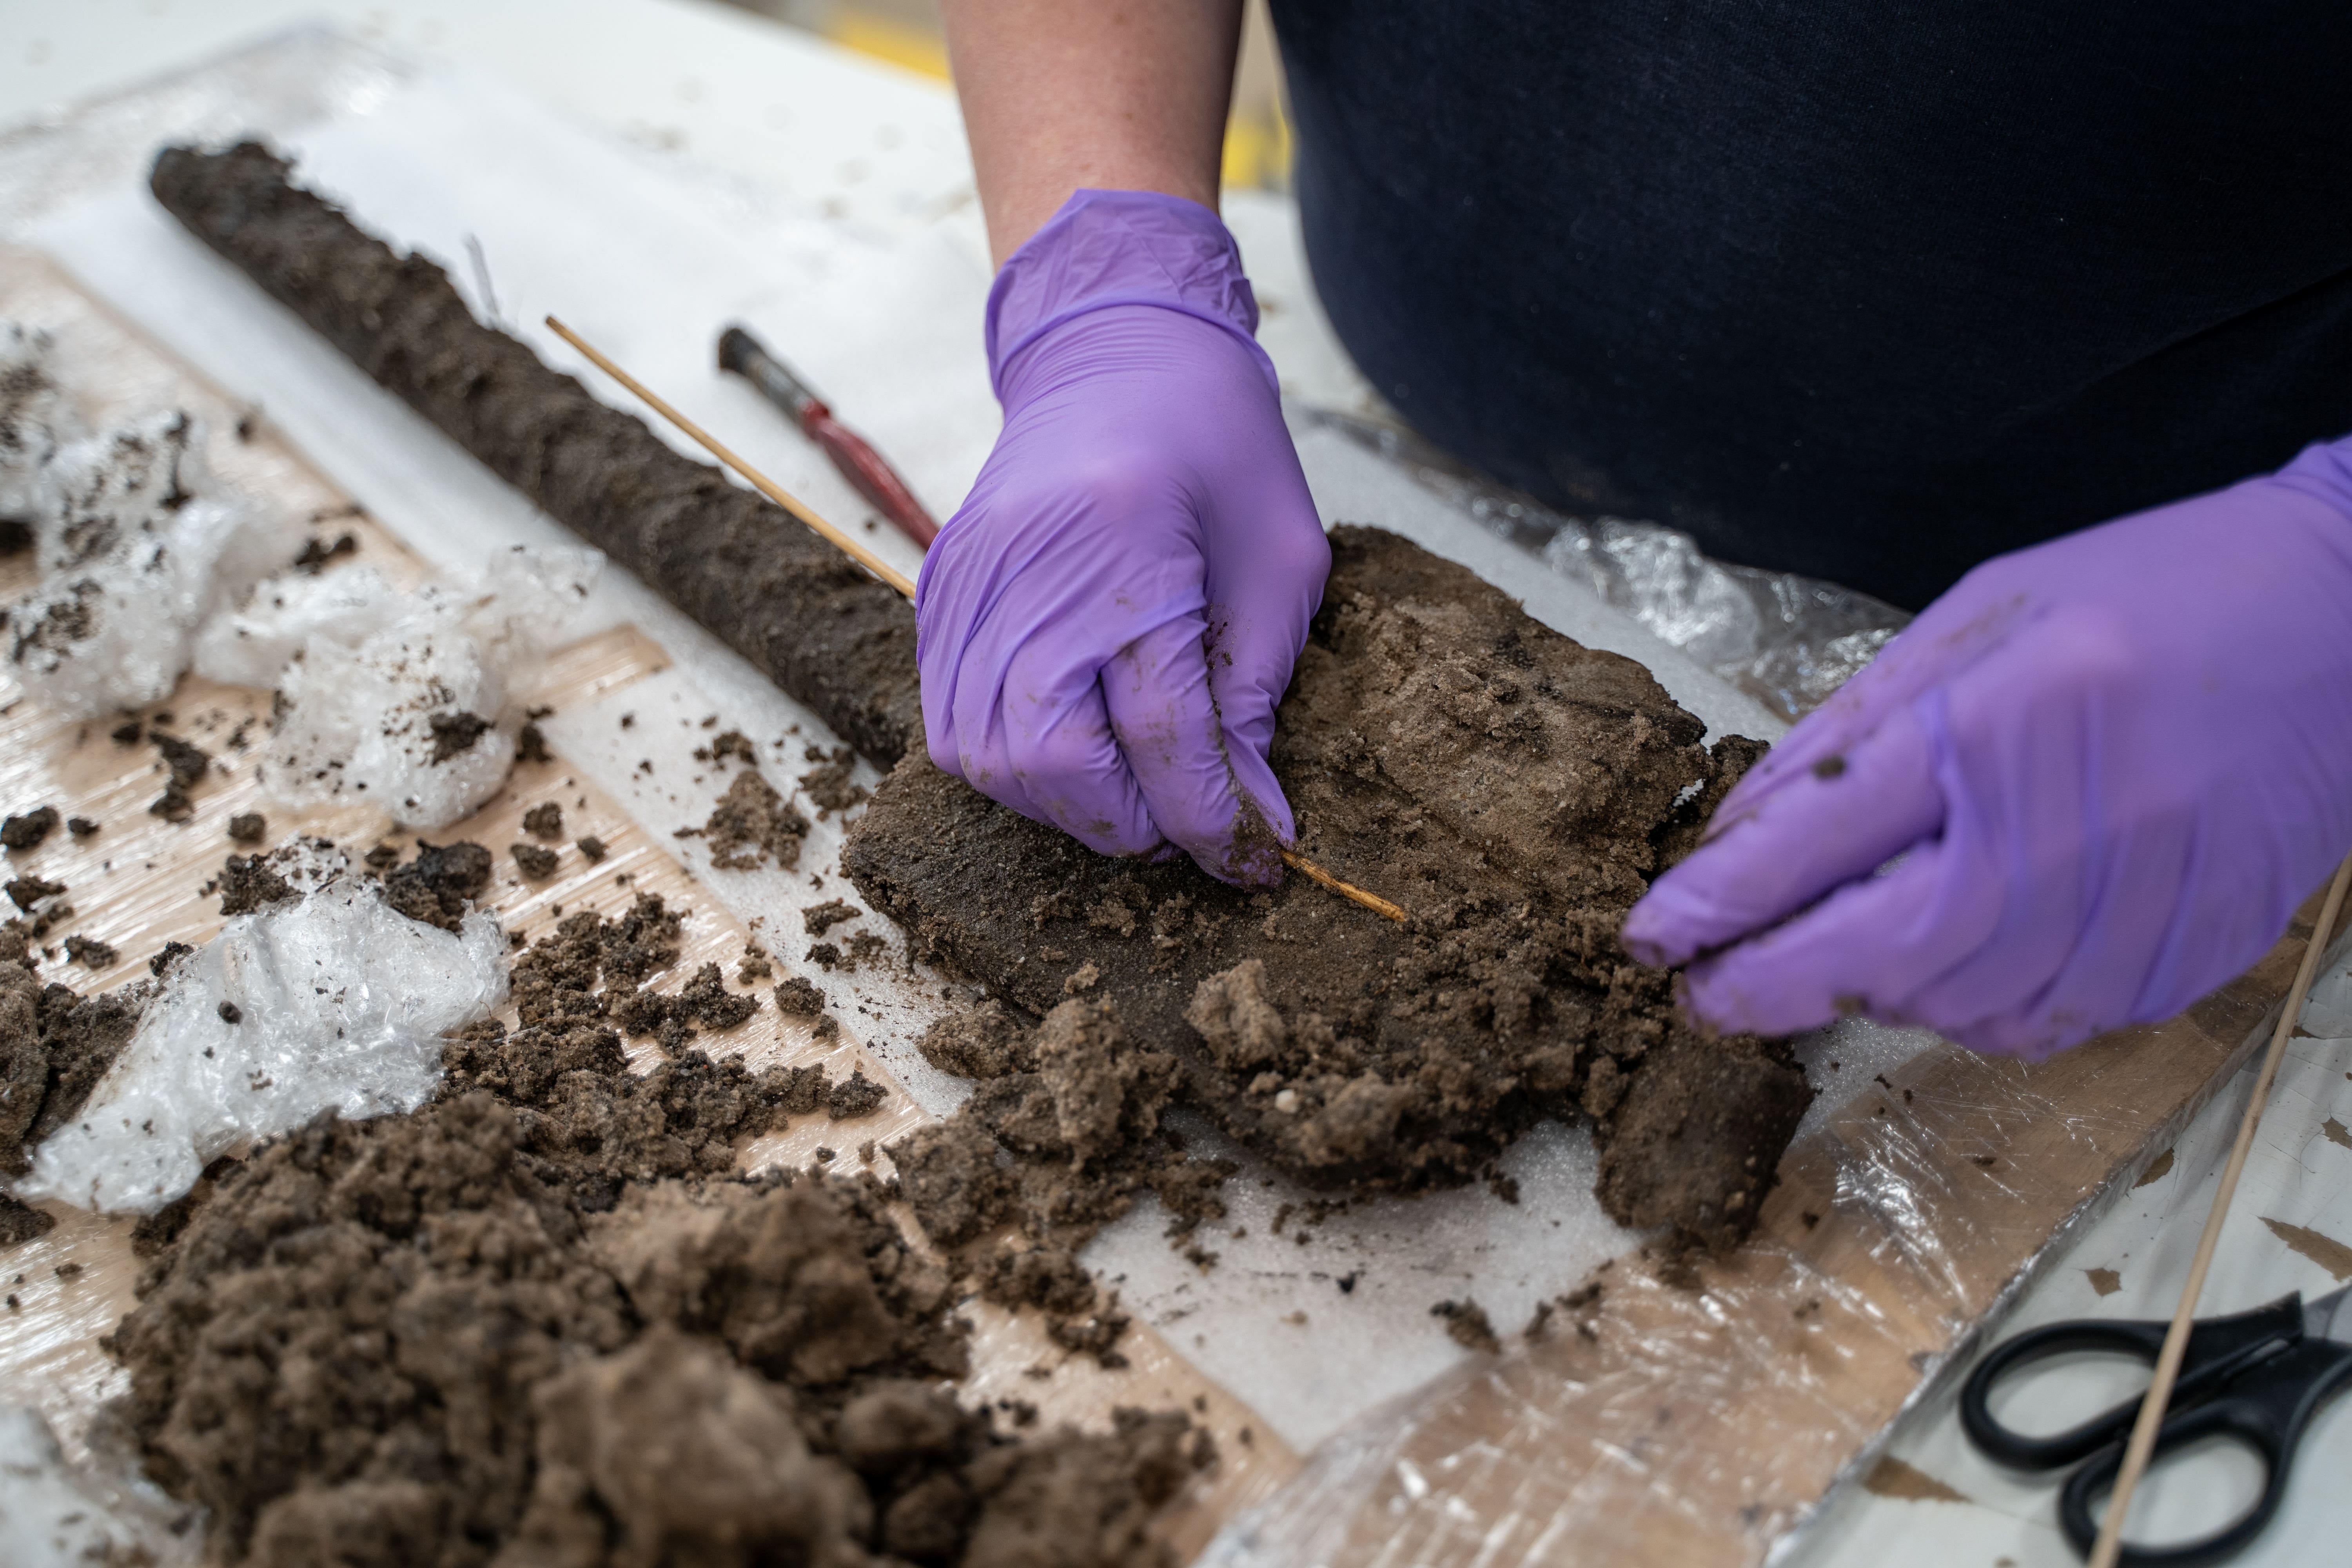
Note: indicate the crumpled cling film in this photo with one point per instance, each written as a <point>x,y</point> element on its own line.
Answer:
<point>334,1001</point>
<point>402,701</point>
<point>136,543</point>
<point>1699,1412</point>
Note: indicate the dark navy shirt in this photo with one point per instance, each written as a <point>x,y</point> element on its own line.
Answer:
<point>1866,288</point>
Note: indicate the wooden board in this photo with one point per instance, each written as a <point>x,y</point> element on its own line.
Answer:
<point>137,883</point>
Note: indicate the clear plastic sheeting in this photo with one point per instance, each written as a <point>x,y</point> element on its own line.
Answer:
<point>333,1002</point>
<point>1786,640</point>
<point>137,544</point>
<point>55,1514</point>
<point>405,701</point>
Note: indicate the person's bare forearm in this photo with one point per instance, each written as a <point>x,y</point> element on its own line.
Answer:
<point>1064,94</point>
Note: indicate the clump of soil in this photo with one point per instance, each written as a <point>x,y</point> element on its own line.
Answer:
<point>725,744</point>
<point>54,1045</point>
<point>187,763</point>
<point>593,848</point>
<point>455,734</point>
<point>248,828</point>
<point>536,861</point>
<point>828,785</point>
<point>248,882</point>
<point>544,1323</point>
<point>440,884</point>
<point>29,890</point>
<point>1059,1140</point>
<point>26,830</point>
<point>317,554</point>
<point>810,618</point>
<point>750,823</point>
<point>90,952</point>
<point>819,918</point>
<point>1514,790</point>
<point>20,1222</point>
<point>544,820</point>
<point>703,1000</point>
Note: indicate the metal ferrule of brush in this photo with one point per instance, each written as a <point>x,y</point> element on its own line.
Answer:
<point>740,352</point>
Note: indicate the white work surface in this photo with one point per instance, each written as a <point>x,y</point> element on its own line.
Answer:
<point>660,169</point>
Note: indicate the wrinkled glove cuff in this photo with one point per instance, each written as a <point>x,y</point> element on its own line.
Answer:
<point>1121,247</point>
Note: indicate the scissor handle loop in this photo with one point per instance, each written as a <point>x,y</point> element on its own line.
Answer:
<point>2265,1409</point>
<point>2218,1350</point>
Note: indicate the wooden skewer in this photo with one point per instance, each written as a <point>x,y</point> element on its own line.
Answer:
<point>2110,1543</point>
<point>1314,873</point>
<point>880,568</point>
<point>760,482</point>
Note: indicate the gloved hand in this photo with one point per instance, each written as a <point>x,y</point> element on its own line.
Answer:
<point>2112,764</point>
<point>1106,625</point>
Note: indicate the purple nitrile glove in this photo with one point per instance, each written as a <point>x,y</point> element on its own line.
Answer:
<point>2113,766</point>
<point>1106,626</point>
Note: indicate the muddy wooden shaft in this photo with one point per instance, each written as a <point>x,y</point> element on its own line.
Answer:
<point>873,563</point>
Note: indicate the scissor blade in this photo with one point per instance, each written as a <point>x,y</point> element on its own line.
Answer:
<point>2330,1317</point>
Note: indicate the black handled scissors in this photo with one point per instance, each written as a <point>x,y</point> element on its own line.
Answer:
<point>2256,1379</point>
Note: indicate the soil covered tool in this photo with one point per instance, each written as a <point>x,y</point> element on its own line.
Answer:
<point>859,463</point>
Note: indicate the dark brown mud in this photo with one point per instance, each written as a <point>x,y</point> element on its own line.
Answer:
<point>817,625</point>
<point>542,1322</point>
<point>1514,791</point>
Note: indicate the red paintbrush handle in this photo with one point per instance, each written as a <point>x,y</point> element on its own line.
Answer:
<point>861,466</point>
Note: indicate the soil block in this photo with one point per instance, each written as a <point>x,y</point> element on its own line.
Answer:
<point>738,564</point>
<point>1515,792</point>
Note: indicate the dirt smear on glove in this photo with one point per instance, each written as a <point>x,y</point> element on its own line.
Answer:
<point>1515,792</point>
<point>543,1322</point>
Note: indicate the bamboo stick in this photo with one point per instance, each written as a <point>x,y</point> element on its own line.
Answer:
<point>2110,1543</point>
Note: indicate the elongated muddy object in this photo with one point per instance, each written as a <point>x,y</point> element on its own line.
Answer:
<point>738,565</point>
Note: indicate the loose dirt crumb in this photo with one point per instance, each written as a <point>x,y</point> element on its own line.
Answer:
<point>317,553</point>
<point>247,883</point>
<point>29,890</point>
<point>55,1046</point>
<point>1466,1325</point>
<point>187,765</point>
<point>853,1097</point>
<point>593,848</point>
<point>828,785</point>
<point>819,918</point>
<point>27,829</point>
<point>535,861</point>
<point>544,820</point>
<point>531,745</point>
<point>90,952</point>
<point>439,885</point>
<point>20,1222</point>
<point>248,828</point>
<point>80,827</point>
<point>751,824</point>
